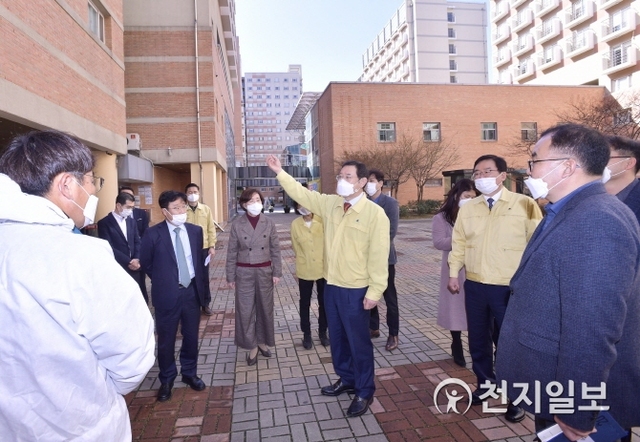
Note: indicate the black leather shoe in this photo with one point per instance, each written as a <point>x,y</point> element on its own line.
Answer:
<point>207,311</point>
<point>306,342</point>
<point>514,413</point>
<point>337,389</point>
<point>253,361</point>
<point>374,333</point>
<point>392,343</point>
<point>324,340</point>
<point>475,397</point>
<point>359,406</point>
<point>194,382</point>
<point>266,353</point>
<point>164,394</point>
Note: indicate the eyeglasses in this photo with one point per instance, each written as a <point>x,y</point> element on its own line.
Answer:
<point>480,173</point>
<point>98,182</point>
<point>179,208</point>
<point>347,178</point>
<point>532,162</point>
<point>619,156</point>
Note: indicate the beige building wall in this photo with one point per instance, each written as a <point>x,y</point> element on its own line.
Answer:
<point>430,41</point>
<point>181,103</point>
<point>348,114</point>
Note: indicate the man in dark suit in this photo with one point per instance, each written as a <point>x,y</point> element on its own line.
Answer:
<point>141,217</point>
<point>172,257</point>
<point>392,210</point>
<point>120,231</point>
<point>624,164</point>
<point>574,313</point>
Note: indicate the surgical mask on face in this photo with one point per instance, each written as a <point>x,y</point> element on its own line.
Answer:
<point>126,213</point>
<point>463,201</point>
<point>538,187</point>
<point>303,211</point>
<point>486,185</point>
<point>178,220</point>
<point>606,174</point>
<point>90,208</point>
<point>254,208</point>
<point>345,188</point>
<point>371,189</point>
<point>193,197</point>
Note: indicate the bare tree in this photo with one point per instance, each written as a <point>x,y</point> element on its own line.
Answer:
<point>431,158</point>
<point>393,159</point>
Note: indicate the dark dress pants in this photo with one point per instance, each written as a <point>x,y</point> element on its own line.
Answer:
<point>306,290</point>
<point>207,287</point>
<point>485,305</point>
<point>351,347</point>
<point>187,312</point>
<point>391,299</point>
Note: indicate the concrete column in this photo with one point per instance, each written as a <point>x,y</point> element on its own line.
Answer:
<point>209,193</point>
<point>106,168</point>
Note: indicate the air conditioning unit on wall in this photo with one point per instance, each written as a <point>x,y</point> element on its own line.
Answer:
<point>133,142</point>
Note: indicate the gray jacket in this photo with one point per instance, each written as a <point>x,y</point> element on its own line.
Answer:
<point>392,210</point>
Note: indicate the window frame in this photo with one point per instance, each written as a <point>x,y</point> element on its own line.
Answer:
<point>485,132</point>
<point>94,13</point>
<point>430,130</point>
<point>530,133</point>
<point>386,132</point>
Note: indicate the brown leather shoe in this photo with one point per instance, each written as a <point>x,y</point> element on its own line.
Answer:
<point>392,343</point>
<point>374,333</point>
<point>207,311</point>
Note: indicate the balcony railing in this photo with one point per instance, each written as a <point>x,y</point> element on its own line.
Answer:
<point>580,43</point>
<point>525,70</point>
<point>522,45</point>
<point>542,7</point>
<point>618,58</point>
<point>516,3</point>
<point>503,56</point>
<point>547,31</point>
<point>606,4</point>
<point>549,58</point>
<point>618,24</point>
<point>522,20</point>
<point>501,34</point>
<point>501,10</point>
<point>578,12</point>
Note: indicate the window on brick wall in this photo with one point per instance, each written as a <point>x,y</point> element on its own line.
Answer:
<point>529,131</point>
<point>96,22</point>
<point>431,131</point>
<point>386,132</point>
<point>489,131</point>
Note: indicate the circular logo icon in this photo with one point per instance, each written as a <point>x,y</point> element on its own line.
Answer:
<point>453,395</point>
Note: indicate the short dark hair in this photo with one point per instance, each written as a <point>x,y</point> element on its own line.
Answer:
<point>123,197</point>
<point>123,188</point>
<point>377,173</point>
<point>588,146</point>
<point>247,194</point>
<point>626,146</point>
<point>361,169</point>
<point>35,159</point>
<point>169,196</point>
<point>500,162</point>
<point>191,185</point>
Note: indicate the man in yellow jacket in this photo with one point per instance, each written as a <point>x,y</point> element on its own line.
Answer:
<point>307,239</point>
<point>489,237</point>
<point>356,246</point>
<point>200,215</point>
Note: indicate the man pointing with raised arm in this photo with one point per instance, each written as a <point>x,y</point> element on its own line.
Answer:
<point>356,243</point>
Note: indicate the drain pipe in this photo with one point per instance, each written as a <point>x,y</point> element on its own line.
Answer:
<point>195,4</point>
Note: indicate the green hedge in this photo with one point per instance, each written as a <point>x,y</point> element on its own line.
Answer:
<point>425,207</point>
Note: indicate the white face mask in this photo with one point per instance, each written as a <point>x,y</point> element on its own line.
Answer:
<point>486,186</point>
<point>254,208</point>
<point>178,220</point>
<point>126,213</point>
<point>303,211</point>
<point>345,188</point>
<point>90,208</point>
<point>538,187</point>
<point>606,174</point>
<point>371,189</point>
<point>464,201</point>
<point>193,197</point>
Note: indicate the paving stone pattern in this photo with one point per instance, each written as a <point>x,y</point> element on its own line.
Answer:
<point>279,398</point>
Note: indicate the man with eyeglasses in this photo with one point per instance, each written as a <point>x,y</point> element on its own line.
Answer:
<point>356,244</point>
<point>76,335</point>
<point>573,320</point>
<point>621,171</point>
<point>173,258</point>
<point>489,237</point>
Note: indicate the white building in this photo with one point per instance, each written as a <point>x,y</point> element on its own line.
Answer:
<point>430,41</point>
<point>564,42</point>
<point>270,99</point>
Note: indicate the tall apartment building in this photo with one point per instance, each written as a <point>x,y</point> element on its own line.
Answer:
<point>270,98</point>
<point>183,100</point>
<point>62,67</point>
<point>430,41</point>
<point>566,42</point>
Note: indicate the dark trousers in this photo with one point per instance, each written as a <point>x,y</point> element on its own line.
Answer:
<point>186,312</point>
<point>391,299</point>
<point>306,289</point>
<point>485,305</point>
<point>207,286</point>
<point>142,282</point>
<point>351,347</point>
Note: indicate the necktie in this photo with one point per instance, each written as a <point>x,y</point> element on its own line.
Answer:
<point>183,268</point>
<point>490,201</point>
<point>346,207</point>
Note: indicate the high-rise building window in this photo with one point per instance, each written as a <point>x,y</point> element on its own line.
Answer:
<point>386,132</point>
<point>452,49</point>
<point>489,131</point>
<point>452,33</point>
<point>96,22</point>
<point>451,17</point>
<point>453,79</point>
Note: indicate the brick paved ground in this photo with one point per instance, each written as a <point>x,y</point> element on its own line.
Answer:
<point>279,398</point>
